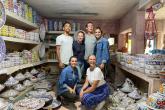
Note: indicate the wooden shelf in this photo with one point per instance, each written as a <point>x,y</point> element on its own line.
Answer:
<point>52,45</point>
<point>14,19</point>
<point>58,32</point>
<point>52,61</point>
<point>153,82</point>
<point>17,40</point>
<point>19,67</point>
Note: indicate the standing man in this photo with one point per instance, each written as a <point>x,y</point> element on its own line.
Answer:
<point>64,46</point>
<point>90,42</point>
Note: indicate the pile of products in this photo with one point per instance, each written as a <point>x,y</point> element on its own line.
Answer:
<point>151,65</point>
<point>19,58</point>
<point>52,25</point>
<point>11,31</point>
<point>20,8</point>
<point>39,96</point>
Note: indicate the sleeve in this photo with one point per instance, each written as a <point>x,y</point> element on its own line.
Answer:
<point>63,78</point>
<point>74,49</point>
<point>58,40</point>
<point>105,52</point>
<point>98,73</point>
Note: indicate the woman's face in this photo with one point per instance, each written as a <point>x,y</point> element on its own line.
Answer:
<point>73,62</point>
<point>92,61</point>
<point>80,37</point>
<point>98,33</point>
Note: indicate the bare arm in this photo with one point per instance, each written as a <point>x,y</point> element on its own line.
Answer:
<point>58,56</point>
<point>92,88</point>
<point>85,85</point>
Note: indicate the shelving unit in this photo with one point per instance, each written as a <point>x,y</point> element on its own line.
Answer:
<point>16,40</point>
<point>153,82</point>
<point>58,32</point>
<point>20,67</point>
<point>52,45</point>
<point>52,61</point>
<point>19,21</point>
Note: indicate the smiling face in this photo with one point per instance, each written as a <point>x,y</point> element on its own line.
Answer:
<point>67,28</point>
<point>89,28</point>
<point>73,62</point>
<point>98,33</point>
<point>80,37</point>
<point>92,61</point>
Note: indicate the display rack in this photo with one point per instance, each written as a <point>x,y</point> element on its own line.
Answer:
<point>153,82</point>
<point>17,40</point>
<point>19,21</point>
<point>20,67</point>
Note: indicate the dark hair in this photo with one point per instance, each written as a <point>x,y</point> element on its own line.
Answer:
<point>99,29</point>
<point>71,58</point>
<point>87,24</point>
<point>66,22</point>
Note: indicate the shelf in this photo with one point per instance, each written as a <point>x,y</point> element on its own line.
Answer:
<point>12,18</point>
<point>23,93</point>
<point>58,32</point>
<point>52,45</point>
<point>52,61</point>
<point>11,39</point>
<point>153,82</point>
<point>19,67</point>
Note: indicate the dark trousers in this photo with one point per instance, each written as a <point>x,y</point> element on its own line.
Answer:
<point>69,97</point>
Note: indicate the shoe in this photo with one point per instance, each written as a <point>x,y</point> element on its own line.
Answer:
<point>100,105</point>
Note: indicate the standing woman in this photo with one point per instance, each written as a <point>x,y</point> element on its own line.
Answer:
<point>67,84</point>
<point>95,89</point>
<point>101,51</point>
<point>79,50</point>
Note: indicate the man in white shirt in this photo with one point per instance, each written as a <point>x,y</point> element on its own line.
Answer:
<point>64,46</point>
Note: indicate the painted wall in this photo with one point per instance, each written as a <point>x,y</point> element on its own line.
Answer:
<point>161,33</point>
<point>133,21</point>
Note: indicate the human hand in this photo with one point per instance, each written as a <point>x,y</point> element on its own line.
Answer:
<point>81,94</point>
<point>61,65</point>
<point>101,66</point>
<point>71,90</point>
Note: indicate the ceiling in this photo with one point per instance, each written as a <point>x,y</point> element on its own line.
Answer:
<point>83,9</point>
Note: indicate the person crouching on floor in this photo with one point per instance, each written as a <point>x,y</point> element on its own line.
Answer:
<point>67,83</point>
<point>95,89</point>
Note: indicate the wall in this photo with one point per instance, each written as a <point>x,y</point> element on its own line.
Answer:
<point>133,21</point>
<point>161,32</point>
<point>108,26</point>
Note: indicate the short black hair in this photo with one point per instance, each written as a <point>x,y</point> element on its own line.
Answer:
<point>88,23</point>
<point>66,22</point>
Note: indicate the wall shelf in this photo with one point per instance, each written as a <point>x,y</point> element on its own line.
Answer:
<point>153,82</point>
<point>14,19</point>
<point>17,40</point>
<point>13,69</point>
<point>58,32</point>
<point>52,61</point>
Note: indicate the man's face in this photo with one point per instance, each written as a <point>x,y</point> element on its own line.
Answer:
<point>89,28</point>
<point>67,27</point>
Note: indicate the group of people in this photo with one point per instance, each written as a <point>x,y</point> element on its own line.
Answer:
<point>86,55</point>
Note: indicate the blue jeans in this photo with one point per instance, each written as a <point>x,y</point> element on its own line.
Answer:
<point>80,68</point>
